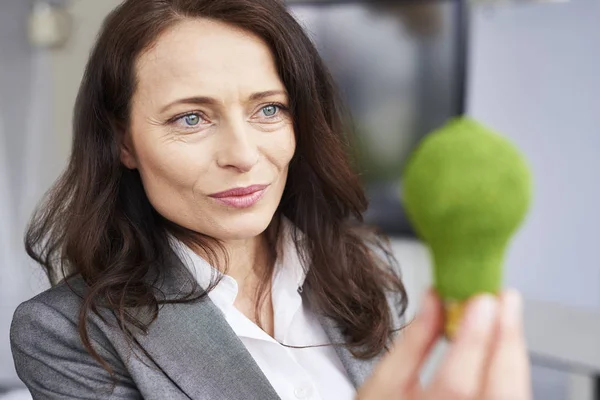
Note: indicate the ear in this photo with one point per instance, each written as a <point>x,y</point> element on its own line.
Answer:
<point>127,153</point>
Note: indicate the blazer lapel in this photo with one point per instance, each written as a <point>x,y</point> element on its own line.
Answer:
<point>194,345</point>
<point>358,370</point>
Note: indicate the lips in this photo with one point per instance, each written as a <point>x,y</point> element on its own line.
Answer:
<point>242,197</point>
<point>237,192</point>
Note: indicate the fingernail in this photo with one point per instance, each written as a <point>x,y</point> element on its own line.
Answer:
<point>513,308</point>
<point>482,312</point>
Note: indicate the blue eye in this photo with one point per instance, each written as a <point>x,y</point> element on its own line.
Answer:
<point>191,119</point>
<point>270,110</point>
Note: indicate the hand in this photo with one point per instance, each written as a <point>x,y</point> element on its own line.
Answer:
<point>487,360</point>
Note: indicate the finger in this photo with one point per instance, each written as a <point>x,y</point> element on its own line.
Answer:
<point>401,366</point>
<point>508,373</point>
<point>462,370</point>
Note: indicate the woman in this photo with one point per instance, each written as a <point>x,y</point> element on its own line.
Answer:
<point>208,227</point>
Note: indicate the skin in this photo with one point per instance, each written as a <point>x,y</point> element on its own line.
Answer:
<point>186,150</point>
<point>487,359</point>
<point>239,135</point>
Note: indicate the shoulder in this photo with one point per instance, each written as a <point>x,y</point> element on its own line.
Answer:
<point>49,355</point>
<point>48,322</point>
<point>61,302</point>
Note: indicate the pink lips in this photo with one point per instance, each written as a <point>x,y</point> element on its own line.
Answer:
<point>241,197</point>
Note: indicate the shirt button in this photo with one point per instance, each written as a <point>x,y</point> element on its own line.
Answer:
<point>303,392</point>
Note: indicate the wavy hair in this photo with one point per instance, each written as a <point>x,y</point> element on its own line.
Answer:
<point>97,222</point>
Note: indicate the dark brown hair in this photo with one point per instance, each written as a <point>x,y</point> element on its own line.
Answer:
<point>97,222</point>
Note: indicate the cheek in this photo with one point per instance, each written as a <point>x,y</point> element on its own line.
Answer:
<point>169,163</point>
<point>170,171</point>
<point>174,178</point>
<point>280,150</point>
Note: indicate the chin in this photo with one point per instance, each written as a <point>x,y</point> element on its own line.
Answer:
<point>243,226</point>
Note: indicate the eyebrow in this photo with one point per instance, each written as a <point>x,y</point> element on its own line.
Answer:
<point>204,100</point>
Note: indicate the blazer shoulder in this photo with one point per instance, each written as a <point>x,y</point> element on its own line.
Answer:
<point>49,318</point>
<point>50,357</point>
<point>65,298</point>
<point>57,306</point>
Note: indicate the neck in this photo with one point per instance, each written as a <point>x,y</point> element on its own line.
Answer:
<point>248,260</point>
<point>250,264</point>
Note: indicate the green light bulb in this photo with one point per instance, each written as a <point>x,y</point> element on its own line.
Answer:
<point>466,190</point>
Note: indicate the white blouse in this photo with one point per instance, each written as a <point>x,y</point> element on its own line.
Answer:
<point>314,373</point>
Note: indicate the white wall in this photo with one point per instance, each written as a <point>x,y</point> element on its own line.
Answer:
<point>535,76</point>
<point>28,165</point>
<point>69,62</point>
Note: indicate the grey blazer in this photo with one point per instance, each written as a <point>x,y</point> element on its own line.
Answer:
<point>190,352</point>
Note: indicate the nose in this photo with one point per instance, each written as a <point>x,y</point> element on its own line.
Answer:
<point>238,149</point>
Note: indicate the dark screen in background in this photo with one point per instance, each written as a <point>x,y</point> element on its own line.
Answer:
<point>400,69</point>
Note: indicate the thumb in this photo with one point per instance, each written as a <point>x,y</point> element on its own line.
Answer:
<point>508,375</point>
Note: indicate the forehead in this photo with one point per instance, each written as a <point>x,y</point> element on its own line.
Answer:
<point>208,54</point>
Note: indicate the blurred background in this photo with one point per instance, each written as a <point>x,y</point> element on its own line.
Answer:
<point>529,69</point>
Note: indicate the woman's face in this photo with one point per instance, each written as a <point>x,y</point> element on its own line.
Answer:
<point>210,133</point>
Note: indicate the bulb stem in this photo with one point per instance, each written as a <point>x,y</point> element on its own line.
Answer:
<point>462,270</point>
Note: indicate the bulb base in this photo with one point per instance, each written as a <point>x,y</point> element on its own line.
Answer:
<point>453,314</point>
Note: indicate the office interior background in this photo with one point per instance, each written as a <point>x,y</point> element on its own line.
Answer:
<point>529,69</point>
